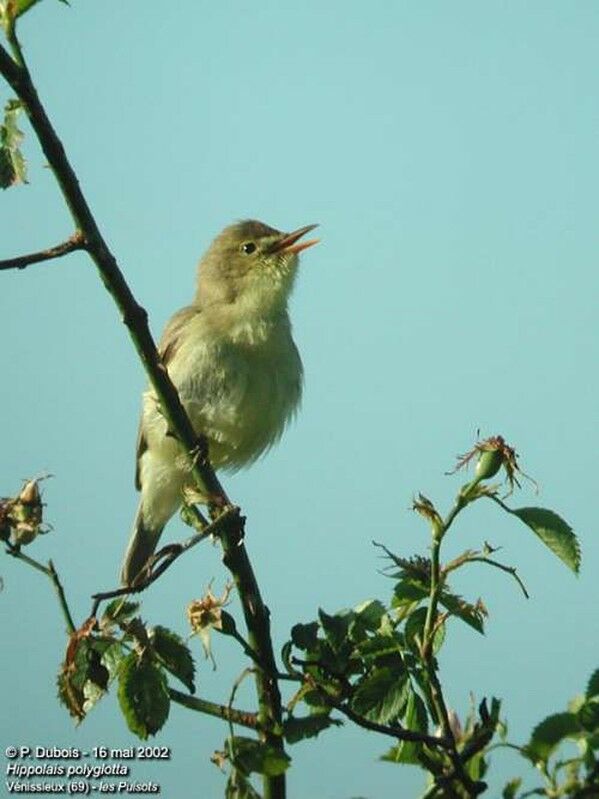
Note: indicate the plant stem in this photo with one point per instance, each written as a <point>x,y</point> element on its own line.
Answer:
<point>435,690</point>
<point>52,575</point>
<point>241,717</point>
<point>257,619</point>
<point>75,242</point>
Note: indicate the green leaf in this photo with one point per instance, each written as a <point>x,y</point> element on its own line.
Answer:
<point>554,532</point>
<point>143,695</point>
<point>336,627</point>
<point>96,670</point>
<point>593,686</point>
<point>379,648</point>
<point>550,733</point>
<point>175,655</point>
<point>473,615</point>
<point>239,787</point>
<point>112,659</point>
<point>72,678</point>
<point>370,614</point>
<point>414,631</point>
<point>316,704</point>
<point>305,636</point>
<point>298,728</point>
<point>381,695</point>
<point>12,162</point>
<point>118,611</point>
<point>511,788</point>
<point>250,755</point>
<point>588,715</point>
<point>407,591</point>
<point>415,718</point>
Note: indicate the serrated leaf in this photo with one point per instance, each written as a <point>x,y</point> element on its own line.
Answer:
<point>92,694</point>
<point>252,756</point>
<point>297,728</point>
<point>175,655</point>
<point>336,627</point>
<point>381,695</point>
<point>112,659</point>
<point>143,695</point>
<point>473,615</point>
<point>378,647</point>
<point>550,733</point>
<point>305,636</point>
<point>554,532</point>
<point>72,678</point>
<point>415,718</point>
<point>118,611</point>
<point>409,590</point>
<point>593,685</point>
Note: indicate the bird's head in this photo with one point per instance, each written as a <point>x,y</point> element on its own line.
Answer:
<point>252,266</point>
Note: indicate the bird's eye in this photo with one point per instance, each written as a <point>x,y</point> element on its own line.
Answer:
<point>248,248</point>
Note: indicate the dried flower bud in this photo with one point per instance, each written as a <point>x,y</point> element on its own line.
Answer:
<point>206,614</point>
<point>25,514</point>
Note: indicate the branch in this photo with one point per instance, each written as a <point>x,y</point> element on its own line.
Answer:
<point>75,242</point>
<point>395,730</point>
<point>9,68</point>
<point>257,619</point>
<point>52,575</point>
<point>163,559</point>
<point>241,717</point>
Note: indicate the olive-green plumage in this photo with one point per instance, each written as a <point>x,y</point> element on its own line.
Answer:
<point>232,358</point>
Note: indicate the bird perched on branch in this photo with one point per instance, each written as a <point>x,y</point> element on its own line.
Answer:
<point>231,357</point>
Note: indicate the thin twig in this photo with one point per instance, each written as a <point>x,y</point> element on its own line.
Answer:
<point>392,730</point>
<point>509,569</point>
<point>75,242</point>
<point>241,717</point>
<point>162,560</point>
<point>51,574</point>
<point>475,556</point>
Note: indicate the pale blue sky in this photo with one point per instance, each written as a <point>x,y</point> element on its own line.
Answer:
<point>448,151</point>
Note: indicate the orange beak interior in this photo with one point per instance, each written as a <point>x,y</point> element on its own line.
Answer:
<point>290,241</point>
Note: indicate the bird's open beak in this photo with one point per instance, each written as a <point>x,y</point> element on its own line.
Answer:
<point>289,242</point>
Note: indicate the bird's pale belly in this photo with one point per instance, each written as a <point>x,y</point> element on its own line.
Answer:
<point>249,398</point>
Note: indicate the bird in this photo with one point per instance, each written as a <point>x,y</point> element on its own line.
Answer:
<point>231,356</point>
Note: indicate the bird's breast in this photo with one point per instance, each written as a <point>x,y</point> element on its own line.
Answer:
<point>240,392</point>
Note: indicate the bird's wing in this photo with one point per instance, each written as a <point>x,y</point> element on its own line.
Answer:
<point>167,348</point>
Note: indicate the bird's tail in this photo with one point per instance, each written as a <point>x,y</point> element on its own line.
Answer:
<point>140,548</point>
